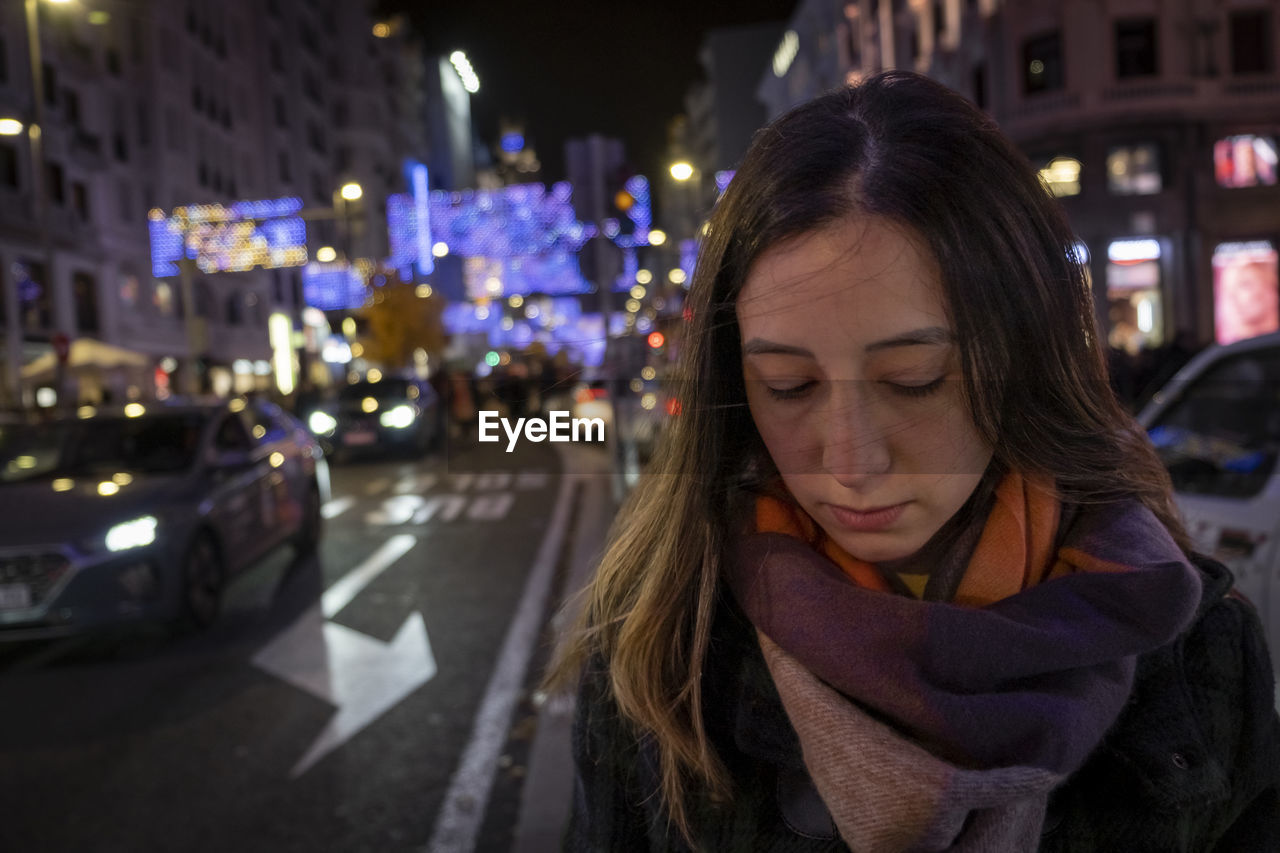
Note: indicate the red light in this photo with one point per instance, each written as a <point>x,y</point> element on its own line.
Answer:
<point>656,339</point>
<point>673,406</point>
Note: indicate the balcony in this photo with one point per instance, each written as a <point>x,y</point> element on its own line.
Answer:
<point>1148,91</point>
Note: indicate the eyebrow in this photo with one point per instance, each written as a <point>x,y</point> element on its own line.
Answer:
<point>930,336</point>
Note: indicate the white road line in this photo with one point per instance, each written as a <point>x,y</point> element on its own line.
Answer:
<point>348,587</point>
<point>458,822</point>
<point>337,507</point>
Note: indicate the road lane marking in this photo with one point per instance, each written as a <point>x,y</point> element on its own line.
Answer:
<point>337,507</point>
<point>349,585</point>
<point>458,822</point>
<point>361,676</point>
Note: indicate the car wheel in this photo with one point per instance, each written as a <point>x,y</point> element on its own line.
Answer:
<point>203,577</point>
<point>308,538</point>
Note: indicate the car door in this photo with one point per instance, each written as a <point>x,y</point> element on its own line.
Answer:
<point>285,480</point>
<point>1219,435</point>
<point>239,476</point>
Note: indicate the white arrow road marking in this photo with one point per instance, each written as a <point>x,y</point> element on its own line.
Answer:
<point>360,675</point>
<point>348,587</point>
<point>337,507</point>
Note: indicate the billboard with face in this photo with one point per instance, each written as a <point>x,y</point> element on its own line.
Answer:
<point>1246,290</point>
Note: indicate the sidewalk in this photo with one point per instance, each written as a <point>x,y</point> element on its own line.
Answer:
<point>548,788</point>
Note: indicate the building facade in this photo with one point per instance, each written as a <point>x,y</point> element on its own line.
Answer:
<point>1154,121</point>
<point>148,106</point>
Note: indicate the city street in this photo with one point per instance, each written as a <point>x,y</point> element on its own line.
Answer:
<point>342,702</point>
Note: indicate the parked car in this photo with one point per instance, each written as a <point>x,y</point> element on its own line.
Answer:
<point>368,417</point>
<point>145,512</point>
<point>1216,424</point>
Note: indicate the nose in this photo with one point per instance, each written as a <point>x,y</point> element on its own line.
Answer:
<point>855,446</point>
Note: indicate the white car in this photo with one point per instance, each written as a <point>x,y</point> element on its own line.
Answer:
<point>1216,425</point>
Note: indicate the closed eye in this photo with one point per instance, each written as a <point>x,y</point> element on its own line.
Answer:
<point>792,392</point>
<point>916,390</point>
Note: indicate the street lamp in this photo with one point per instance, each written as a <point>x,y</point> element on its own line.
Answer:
<point>11,127</point>
<point>681,170</point>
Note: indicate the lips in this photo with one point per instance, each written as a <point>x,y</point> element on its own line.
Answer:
<point>867,520</point>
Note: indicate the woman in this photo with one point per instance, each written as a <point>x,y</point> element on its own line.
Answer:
<point>907,577</point>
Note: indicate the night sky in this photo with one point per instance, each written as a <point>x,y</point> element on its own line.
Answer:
<point>568,68</point>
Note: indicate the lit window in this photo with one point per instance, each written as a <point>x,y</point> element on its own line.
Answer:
<point>1245,161</point>
<point>1134,170</point>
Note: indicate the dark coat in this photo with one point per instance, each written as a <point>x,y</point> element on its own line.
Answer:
<point>1191,766</point>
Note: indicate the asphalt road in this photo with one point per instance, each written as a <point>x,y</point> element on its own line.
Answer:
<point>336,703</point>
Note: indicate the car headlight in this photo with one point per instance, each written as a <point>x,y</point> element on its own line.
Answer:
<point>398,417</point>
<point>322,423</point>
<point>132,534</point>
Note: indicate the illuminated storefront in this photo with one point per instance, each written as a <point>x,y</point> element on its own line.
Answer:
<point>1135,305</point>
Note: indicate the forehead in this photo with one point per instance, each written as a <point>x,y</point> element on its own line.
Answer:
<point>860,273</point>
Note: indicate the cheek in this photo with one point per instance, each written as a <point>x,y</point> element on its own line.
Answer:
<point>790,440</point>
<point>943,443</point>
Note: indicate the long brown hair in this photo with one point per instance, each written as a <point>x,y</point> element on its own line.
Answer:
<point>905,148</point>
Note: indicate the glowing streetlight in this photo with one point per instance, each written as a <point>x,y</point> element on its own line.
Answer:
<point>11,127</point>
<point>657,237</point>
<point>352,191</point>
<point>681,170</point>
<point>326,254</point>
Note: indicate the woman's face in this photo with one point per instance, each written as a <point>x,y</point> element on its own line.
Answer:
<point>853,380</point>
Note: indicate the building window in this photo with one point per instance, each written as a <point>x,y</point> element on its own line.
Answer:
<point>1134,170</point>
<point>1042,64</point>
<point>1061,174</point>
<point>1251,42</point>
<point>50,85</point>
<point>162,298</point>
<point>8,166</point>
<point>55,184</point>
<point>80,200</point>
<point>1246,160</point>
<point>285,174</point>
<point>71,107</point>
<point>939,18</point>
<point>1136,54</point>
<point>4,63</point>
<point>282,112</point>
<point>35,310</point>
<point>84,289</point>
<point>234,310</point>
<point>129,287</point>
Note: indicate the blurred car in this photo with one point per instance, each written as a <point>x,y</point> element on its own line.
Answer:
<point>367,417</point>
<point>1216,425</point>
<point>145,512</point>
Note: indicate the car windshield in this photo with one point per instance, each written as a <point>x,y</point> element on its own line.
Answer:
<point>153,444</point>
<point>386,389</point>
<point>1222,436</point>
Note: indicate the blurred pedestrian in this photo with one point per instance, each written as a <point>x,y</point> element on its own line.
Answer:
<point>907,577</point>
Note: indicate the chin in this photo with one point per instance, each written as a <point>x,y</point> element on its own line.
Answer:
<point>876,547</point>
